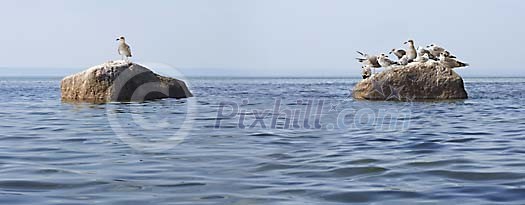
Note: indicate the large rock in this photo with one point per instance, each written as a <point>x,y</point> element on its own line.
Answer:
<point>119,81</point>
<point>415,81</point>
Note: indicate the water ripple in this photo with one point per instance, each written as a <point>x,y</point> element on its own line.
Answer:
<point>460,152</point>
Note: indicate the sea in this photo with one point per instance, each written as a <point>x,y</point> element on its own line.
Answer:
<point>263,141</point>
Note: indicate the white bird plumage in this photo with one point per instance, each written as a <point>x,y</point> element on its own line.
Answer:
<point>404,60</point>
<point>432,54</point>
<point>423,58</point>
<point>449,62</point>
<point>384,61</point>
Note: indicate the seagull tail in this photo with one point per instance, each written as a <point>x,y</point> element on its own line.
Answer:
<point>463,64</point>
<point>360,59</point>
<point>360,53</point>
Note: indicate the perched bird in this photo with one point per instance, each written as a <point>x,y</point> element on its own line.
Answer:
<point>385,62</point>
<point>368,60</point>
<point>398,52</point>
<point>422,51</point>
<point>411,51</point>
<point>366,72</point>
<point>448,62</point>
<point>423,58</point>
<point>123,49</point>
<point>403,61</point>
<point>436,50</point>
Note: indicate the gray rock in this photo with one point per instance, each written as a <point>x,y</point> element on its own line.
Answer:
<point>120,82</point>
<point>415,81</point>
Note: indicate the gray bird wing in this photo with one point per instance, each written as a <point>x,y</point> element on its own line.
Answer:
<point>374,62</point>
<point>400,53</point>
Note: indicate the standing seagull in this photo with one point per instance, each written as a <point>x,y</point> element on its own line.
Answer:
<point>123,49</point>
<point>411,51</point>
<point>398,52</point>
<point>448,62</point>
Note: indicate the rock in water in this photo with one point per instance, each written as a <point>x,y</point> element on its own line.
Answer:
<point>120,82</point>
<point>415,81</point>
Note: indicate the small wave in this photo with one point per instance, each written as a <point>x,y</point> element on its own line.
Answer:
<point>182,185</point>
<point>370,196</point>
<point>476,176</point>
<point>264,134</point>
<point>43,185</point>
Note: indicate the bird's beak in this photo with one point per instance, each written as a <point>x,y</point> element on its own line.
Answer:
<point>405,42</point>
<point>390,52</point>
<point>117,39</point>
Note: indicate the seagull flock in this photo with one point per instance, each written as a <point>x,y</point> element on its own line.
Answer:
<point>431,52</point>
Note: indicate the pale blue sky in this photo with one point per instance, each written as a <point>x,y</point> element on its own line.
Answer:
<point>256,37</point>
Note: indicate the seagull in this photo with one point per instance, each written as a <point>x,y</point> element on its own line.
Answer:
<point>403,60</point>
<point>385,62</point>
<point>398,52</point>
<point>448,62</point>
<point>436,50</point>
<point>411,51</point>
<point>368,60</point>
<point>367,72</point>
<point>422,51</point>
<point>123,49</point>
<point>422,59</point>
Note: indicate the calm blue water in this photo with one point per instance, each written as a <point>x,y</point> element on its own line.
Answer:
<point>469,152</point>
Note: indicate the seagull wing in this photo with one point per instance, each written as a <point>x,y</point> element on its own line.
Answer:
<point>360,59</point>
<point>399,53</point>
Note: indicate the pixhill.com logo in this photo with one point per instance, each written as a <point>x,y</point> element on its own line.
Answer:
<point>310,114</point>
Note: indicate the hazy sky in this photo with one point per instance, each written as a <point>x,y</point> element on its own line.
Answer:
<point>256,37</point>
